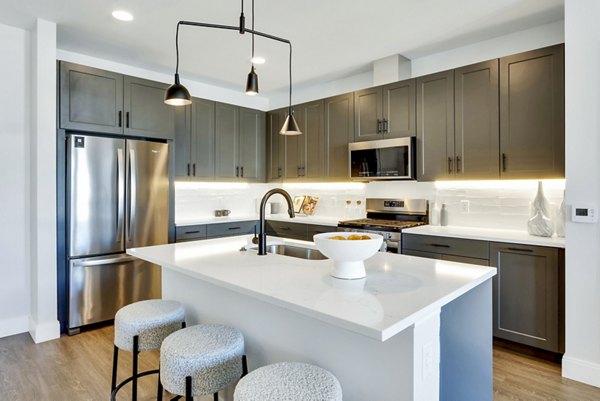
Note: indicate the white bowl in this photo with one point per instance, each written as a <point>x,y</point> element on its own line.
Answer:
<point>348,255</point>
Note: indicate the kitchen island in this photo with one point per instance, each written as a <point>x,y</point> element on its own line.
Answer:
<point>414,329</point>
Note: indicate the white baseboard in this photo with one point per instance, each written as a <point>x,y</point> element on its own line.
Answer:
<point>14,325</point>
<point>44,332</point>
<point>581,370</point>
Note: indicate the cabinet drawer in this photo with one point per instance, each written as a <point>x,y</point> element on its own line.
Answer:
<point>313,229</point>
<point>447,246</point>
<point>190,233</point>
<point>287,230</point>
<point>421,254</point>
<point>230,229</point>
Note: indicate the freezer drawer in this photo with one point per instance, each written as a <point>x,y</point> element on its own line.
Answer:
<point>99,286</point>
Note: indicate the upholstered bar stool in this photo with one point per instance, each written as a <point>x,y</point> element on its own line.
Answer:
<point>142,326</point>
<point>289,381</point>
<point>201,360</point>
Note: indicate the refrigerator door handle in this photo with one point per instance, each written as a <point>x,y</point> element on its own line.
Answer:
<point>132,193</point>
<point>103,261</point>
<point>120,193</point>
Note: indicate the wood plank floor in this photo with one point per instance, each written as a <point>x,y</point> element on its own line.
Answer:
<point>78,368</point>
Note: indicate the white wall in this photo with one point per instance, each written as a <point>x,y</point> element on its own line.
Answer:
<point>534,38</point>
<point>14,177</point>
<point>582,100</point>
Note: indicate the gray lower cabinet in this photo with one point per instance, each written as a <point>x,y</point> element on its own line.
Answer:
<point>301,231</point>
<point>214,230</point>
<point>526,295</point>
<point>338,132</point>
<point>275,145</point>
<point>239,143</point>
<point>190,233</point>
<point>446,246</point>
<point>195,141</point>
<point>95,100</point>
<point>532,116</point>
<point>386,111</point>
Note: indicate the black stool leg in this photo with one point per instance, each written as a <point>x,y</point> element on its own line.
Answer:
<point>159,391</point>
<point>113,383</point>
<point>216,396</point>
<point>244,366</point>
<point>188,389</point>
<point>136,351</point>
<point>183,324</point>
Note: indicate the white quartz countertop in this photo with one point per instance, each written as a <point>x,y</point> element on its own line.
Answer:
<point>487,234</point>
<point>320,220</point>
<point>398,291</point>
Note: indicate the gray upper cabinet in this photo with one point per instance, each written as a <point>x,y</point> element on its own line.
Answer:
<point>146,113</point>
<point>435,126</point>
<point>304,153</point>
<point>90,99</point>
<point>103,101</point>
<point>239,143</point>
<point>339,131</point>
<point>227,146</point>
<point>275,145</point>
<point>195,140</point>
<point>526,295</point>
<point>385,111</point>
<point>532,126</point>
<point>251,145</point>
<point>476,137</point>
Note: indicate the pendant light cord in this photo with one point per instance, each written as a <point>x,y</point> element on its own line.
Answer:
<point>252,60</point>
<point>290,67</point>
<point>177,50</point>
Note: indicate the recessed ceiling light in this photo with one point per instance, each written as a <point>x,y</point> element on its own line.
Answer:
<point>122,15</point>
<point>258,60</point>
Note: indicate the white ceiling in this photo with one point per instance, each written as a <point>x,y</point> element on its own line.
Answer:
<point>331,38</point>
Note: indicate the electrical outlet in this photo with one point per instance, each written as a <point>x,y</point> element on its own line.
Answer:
<point>464,206</point>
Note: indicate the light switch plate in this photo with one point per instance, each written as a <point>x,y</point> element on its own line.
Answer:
<point>584,214</point>
<point>465,206</point>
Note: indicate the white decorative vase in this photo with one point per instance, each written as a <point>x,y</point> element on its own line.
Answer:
<point>561,218</point>
<point>539,223</point>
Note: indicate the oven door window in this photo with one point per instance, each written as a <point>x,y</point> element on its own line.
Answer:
<point>382,162</point>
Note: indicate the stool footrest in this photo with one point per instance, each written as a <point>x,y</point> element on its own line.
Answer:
<point>113,394</point>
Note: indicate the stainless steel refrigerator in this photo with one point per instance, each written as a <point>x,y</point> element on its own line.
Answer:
<point>117,198</point>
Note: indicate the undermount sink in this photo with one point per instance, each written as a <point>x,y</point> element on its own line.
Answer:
<point>295,251</point>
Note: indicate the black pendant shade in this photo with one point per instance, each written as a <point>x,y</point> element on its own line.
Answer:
<point>252,83</point>
<point>177,94</point>
<point>290,126</point>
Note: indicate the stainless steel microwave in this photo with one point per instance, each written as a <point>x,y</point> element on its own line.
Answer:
<point>386,159</point>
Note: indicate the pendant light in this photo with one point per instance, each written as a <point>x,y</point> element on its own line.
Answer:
<point>178,95</point>
<point>252,81</point>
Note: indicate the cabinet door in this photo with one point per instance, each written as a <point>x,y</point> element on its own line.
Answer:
<point>477,136</point>
<point>311,142</point>
<point>339,132</point>
<point>293,148</point>
<point>435,126</point>
<point>275,145</point>
<point>203,139</point>
<point>146,113</point>
<point>526,293</point>
<point>532,126</point>
<point>367,114</point>
<point>226,131</point>
<point>183,143</point>
<point>399,109</point>
<point>90,99</point>
<point>251,145</point>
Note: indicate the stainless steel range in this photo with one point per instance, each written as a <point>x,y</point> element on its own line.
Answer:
<point>388,217</point>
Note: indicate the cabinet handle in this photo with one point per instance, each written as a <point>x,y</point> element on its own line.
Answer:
<point>192,232</point>
<point>194,169</point>
<point>379,126</point>
<point>520,250</point>
<point>234,228</point>
<point>285,228</point>
<point>120,118</point>
<point>299,168</point>
<point>385,125</point>
<point>237,171</point>
<point>127,120</point>
<point>457,164</point>
<point>188,169</point>
<point>450,165</point>
<point>503,161</point>
<point>278,172</point>
<point>242,170</point>
<point>440,245</point>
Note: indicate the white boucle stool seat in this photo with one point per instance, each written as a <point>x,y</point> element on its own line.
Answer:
<point>152,321</point>
<point>288,381</point>
<point>211,354</point>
